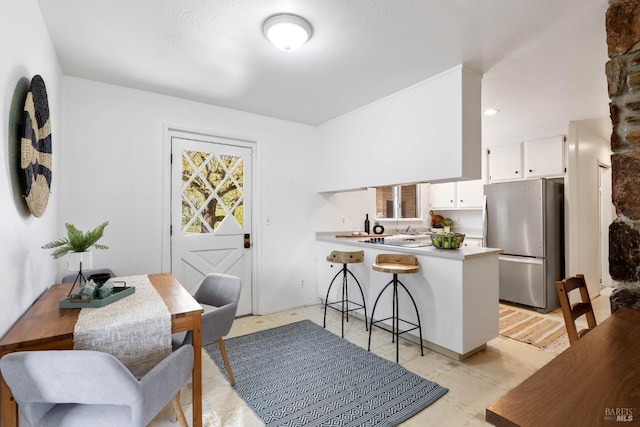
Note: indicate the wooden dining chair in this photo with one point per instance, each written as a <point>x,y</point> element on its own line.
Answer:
<point>573,311</point>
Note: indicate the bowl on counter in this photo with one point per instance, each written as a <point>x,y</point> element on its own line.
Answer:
<point>447,240</point>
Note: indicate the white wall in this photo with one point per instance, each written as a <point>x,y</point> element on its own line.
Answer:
<point>115,159</point>
<point>586,149</point>
<point>26,50</point>
<point>345,211</point>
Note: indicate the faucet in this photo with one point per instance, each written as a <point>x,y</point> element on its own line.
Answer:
<point>409,230</point>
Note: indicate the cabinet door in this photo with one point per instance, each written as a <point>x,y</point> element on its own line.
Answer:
<point>472,242</point>
<point>469,194</point>
<point>544,157</point>
<point>442,195</point>
<point>505,163</point>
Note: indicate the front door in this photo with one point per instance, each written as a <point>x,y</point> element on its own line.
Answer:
<point>211,212</point>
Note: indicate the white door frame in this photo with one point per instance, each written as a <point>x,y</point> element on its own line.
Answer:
<point>181,132</point>
<point>603,205</point>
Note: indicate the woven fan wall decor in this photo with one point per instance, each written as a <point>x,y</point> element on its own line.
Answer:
<point>36,147</point>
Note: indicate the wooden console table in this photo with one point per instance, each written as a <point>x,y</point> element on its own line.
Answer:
<point>44,326</point>
<point>595,382</point>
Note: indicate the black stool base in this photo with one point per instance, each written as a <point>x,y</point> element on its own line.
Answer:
<point>345,302</point>
<point>395,331</point>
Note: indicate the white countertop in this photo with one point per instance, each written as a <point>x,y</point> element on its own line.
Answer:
<point>461,253</point>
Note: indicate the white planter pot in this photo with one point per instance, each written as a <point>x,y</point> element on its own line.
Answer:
<point>447,228</point>
<point>75,258</point>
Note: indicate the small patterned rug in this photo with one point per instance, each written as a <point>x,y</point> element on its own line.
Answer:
<point>303,375</point>
<point>546,334</point>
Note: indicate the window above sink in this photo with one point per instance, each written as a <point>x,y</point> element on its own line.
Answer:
<point>398,202</point>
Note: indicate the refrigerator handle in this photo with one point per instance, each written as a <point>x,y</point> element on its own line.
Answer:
<point>521,259</point>
<point>484,220</point>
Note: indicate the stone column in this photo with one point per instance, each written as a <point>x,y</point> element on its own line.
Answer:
<point>623,76</point>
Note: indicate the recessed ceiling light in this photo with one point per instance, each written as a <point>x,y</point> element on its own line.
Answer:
<point>491,112</point>
<point>286,31</point>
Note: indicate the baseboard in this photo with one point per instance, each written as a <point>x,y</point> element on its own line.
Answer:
<point>428,344</point>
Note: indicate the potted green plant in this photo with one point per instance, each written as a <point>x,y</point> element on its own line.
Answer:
<point>447,223</point>
<point>77,245</point>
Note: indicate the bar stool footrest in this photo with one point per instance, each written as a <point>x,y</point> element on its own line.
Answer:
<point>415,326</point>
<point>357,305</point>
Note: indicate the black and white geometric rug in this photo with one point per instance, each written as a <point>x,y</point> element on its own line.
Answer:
<point>303,375</point>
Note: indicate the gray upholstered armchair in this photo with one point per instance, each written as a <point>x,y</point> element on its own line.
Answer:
<point>89,388</point>
<point>219,294</point>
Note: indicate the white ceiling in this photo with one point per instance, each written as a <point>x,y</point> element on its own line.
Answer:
<point>542,60</point>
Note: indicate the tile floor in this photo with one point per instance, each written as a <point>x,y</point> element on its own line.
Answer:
<point>473,383</point>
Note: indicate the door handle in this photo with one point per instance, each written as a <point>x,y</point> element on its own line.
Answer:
<point>247,241</point>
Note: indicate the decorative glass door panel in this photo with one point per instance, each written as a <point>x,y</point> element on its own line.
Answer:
<point>212,189</point>
<point>211,212</point>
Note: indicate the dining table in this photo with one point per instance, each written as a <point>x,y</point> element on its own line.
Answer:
<point>46,326</point>
<point>594,382</point>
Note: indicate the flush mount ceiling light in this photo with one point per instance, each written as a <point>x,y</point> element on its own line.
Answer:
<point>286,31</point>
<point>491,112</point>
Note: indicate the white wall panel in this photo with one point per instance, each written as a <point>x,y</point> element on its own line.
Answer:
<point>116,167</point>
<point>427,132</point>
<point>26,270</point>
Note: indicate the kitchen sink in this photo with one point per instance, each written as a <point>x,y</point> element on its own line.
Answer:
<point>411,236</point>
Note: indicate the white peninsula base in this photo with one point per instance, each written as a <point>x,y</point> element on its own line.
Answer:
<point>456,292</point>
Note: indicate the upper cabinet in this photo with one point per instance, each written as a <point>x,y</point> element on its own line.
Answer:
<point>456,195</point>
<point>544,157</point>
<point>541,158</point>
<point>442,195</point>
<point>430,131</point>
<point>505,162</point>
<point>470,193</point>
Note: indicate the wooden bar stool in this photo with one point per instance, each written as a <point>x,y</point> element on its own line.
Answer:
<point>345,304</point>
<point>396,264</point>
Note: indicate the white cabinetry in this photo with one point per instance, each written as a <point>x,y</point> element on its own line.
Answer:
<point>472,242</point>
<point>541,158</point>
<point>442,196</point>
<point>544,157</point>
<point>469,193</point>
<point>505,162</point>
<point>453,195</point>
<point>443,108</point>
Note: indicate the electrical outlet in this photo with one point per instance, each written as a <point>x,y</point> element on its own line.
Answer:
<point>343,220</point>
<point>302,283</point>
<point>267,221</point>
<point>458,218</point>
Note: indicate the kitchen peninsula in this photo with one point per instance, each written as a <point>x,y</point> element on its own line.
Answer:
<point>456,291</point>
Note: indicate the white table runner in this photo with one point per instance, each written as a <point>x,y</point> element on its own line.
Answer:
<point>135,329</point>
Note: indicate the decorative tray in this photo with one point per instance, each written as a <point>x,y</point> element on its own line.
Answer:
<point>74,301</point>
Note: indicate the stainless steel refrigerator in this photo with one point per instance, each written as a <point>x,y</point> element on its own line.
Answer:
<point>525,219</point>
